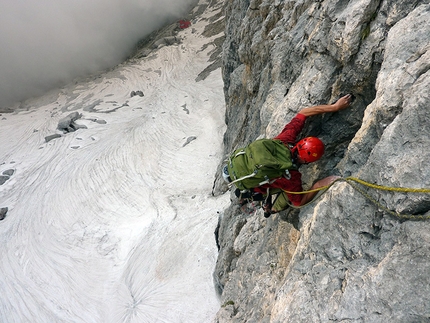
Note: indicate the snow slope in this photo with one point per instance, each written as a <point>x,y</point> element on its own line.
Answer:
<point>114,223</point>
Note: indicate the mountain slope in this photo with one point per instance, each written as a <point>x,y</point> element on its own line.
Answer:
<point>114,222</point>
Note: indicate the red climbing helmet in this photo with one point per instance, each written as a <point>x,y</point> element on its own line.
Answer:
<point>309,149</point>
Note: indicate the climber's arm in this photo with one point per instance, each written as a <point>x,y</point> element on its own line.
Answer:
<point>340,104</point>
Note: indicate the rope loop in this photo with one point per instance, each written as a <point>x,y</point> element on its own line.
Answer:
<point>352,181</point>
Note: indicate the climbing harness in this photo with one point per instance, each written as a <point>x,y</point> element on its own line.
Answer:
<point>352,182</point>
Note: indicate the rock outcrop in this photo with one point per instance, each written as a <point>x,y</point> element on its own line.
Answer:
<point>342,258</point>
<point>68,124</point>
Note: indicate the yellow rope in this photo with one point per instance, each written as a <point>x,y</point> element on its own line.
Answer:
<point>388,188</point>
<point>375,186</point>
<point>349,180</point>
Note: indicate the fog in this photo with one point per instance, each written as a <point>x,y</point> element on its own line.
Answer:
<point>46,43</point>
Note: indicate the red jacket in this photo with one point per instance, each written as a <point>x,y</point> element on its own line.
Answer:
<point>289,136</point>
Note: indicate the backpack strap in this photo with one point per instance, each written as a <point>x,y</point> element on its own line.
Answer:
<point>242,178</point>
<point>267,181</point>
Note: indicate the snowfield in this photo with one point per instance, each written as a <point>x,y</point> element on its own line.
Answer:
<point>115,222</point>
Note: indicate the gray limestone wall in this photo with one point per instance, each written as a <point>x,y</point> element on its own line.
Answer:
<point>342,258</point>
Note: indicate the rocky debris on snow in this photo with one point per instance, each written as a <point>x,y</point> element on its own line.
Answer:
<point>5,176</point>
<point>215,27</point>
<point>168,35</point>
<point>158,38</point>
<point>3,212</point>
<point>189,139</point>
<point>144,53</point>
<point>134,93</point>
<point>99,121</point>
<point>166,41</point>
<point>344,260</point>
<point>184,108</point>
<point>3,179</point>
<point>68,123</point>
<point>9,172</point>
<point>52,137</point>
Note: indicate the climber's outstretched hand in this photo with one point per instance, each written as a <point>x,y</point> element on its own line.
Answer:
<point>343,102</point>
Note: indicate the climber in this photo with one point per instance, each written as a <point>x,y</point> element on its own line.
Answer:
<point>305,151</point>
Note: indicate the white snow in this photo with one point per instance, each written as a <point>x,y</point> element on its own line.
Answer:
<point>115,223</point>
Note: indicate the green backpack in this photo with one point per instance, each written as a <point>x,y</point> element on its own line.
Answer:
<point>259,163</point>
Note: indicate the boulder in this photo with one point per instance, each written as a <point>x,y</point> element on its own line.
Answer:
<point>3,212</point>
<point>68,123</point>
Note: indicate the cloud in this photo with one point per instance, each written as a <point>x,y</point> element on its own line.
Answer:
<point>46,43</point>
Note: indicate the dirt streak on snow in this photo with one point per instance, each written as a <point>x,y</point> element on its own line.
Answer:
<point>114,223</point>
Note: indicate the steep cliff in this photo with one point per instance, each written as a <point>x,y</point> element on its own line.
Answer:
<point>343,258</point>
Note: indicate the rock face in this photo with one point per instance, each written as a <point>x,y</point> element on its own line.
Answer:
<point>345,259</point>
